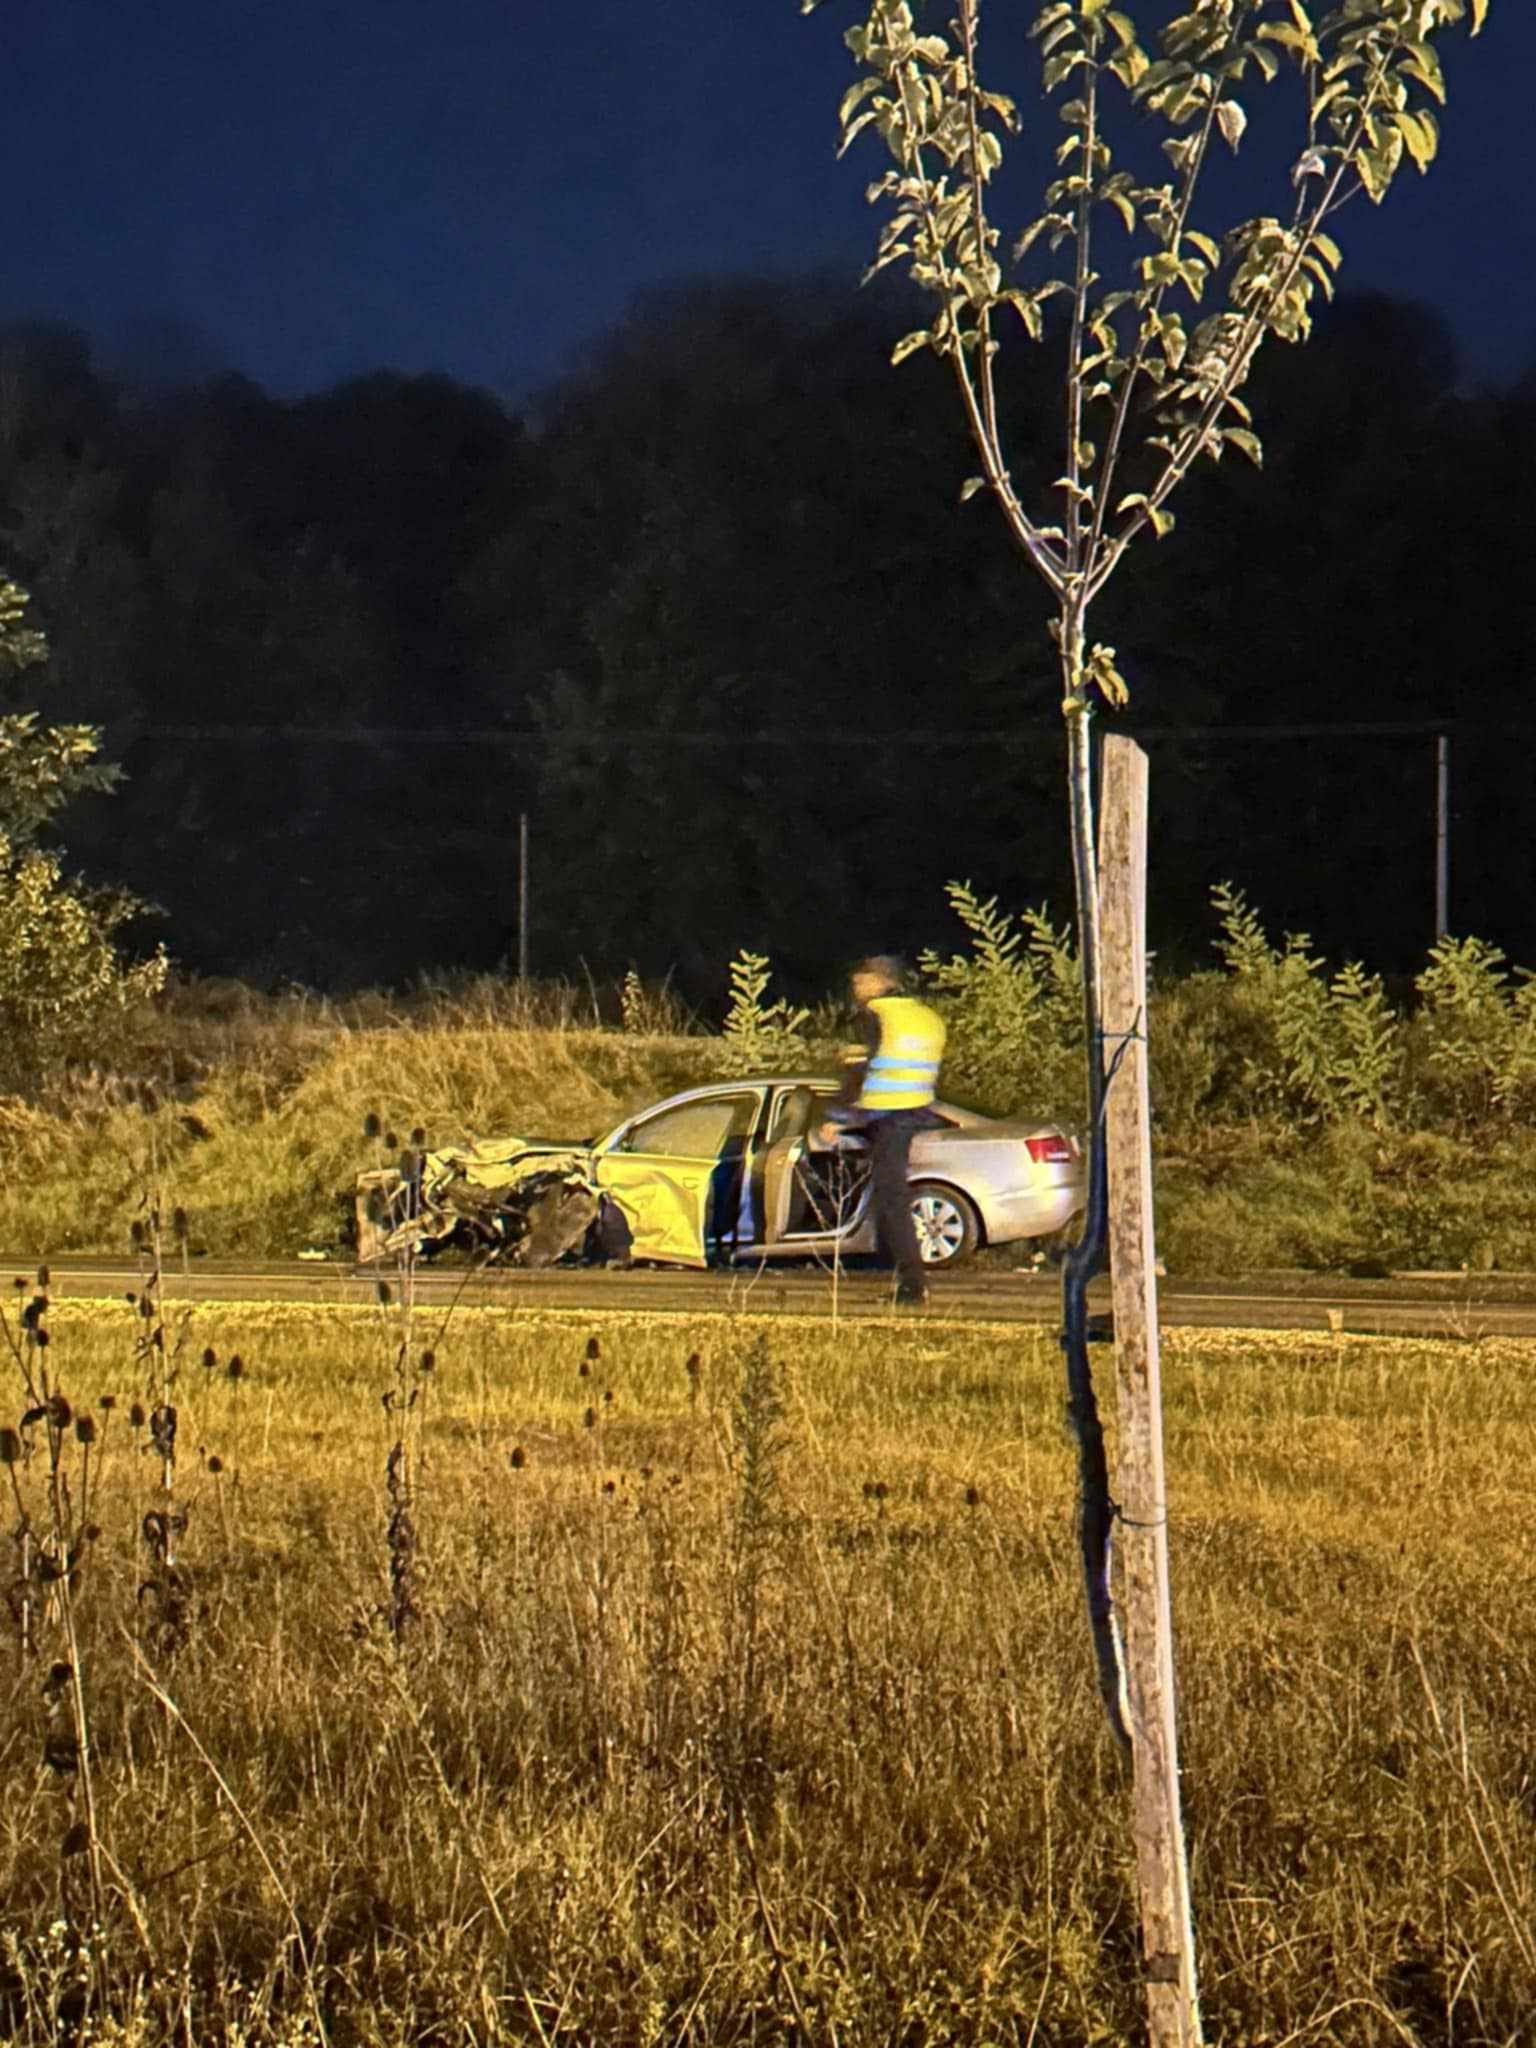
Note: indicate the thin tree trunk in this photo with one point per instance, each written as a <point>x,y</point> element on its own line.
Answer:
<point>1086,1258</point>
<point>1173,2011</point>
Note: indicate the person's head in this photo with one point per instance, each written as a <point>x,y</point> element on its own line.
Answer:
<point>880,974</point>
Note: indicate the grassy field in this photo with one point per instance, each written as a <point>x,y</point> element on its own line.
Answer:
<point>715,1684</point>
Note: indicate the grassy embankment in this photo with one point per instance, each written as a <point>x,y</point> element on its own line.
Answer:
<point>257,1134</point>
<point>752,1702</point>
<point>255,1125</point>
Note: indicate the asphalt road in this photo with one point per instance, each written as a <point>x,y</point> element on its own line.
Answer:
<point>1453,1305</point>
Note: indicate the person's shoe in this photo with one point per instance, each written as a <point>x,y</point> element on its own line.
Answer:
<point>912,1294</point>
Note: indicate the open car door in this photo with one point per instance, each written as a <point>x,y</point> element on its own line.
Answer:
<point>681,1177</point>
<point>809,1190</point>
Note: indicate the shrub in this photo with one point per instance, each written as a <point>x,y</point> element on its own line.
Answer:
<point>761,1037</point>
<point>1476,1039</point>
<point>61,976</point>
<point>1014,1008</point>
<point>1321,1047</point>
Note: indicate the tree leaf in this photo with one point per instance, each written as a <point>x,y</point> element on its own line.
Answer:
<point>970,487</point>
<point>1250,444</point>
<point>909,344</point>
<point>1161,522</point>
<point>1231,120</point>
<point>1124,208</point>
<point>1421,133</point>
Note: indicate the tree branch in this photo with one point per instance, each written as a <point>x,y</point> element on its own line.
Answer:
<point>1081,284</point>
<point>985,344</point>
<point>1246,346</point>
<point>1138,361</point>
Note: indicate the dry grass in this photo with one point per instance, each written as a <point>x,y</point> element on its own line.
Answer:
<point>749,1698</point>
<point>262,1136</point>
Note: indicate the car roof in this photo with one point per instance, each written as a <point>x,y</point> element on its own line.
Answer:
<point>821,1082</point>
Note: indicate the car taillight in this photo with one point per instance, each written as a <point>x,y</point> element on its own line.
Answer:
<point>1053,1151</point>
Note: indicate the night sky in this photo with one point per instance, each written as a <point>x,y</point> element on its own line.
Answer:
<point>305,191</point>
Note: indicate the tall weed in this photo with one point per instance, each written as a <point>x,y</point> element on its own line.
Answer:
<point>1013,1003</point>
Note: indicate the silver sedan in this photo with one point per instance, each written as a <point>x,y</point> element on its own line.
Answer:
<point>744,1159</point>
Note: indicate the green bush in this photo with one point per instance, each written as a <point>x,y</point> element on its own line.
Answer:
<point>1013,1005</point>
<point>62,980</point>
<point>761,1037</point>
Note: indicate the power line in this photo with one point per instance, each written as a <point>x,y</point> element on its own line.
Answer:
<point>969,736</point>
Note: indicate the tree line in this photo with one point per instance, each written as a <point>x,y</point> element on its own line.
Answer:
<point>711,613</point>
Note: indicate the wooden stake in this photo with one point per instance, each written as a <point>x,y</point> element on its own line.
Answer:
<point>1168,1944</point>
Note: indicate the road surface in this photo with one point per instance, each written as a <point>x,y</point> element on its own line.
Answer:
<point>1406,1305</point>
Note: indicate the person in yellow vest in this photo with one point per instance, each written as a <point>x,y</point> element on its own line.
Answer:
<point>890,1078</point>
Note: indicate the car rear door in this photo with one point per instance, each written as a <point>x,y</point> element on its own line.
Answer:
<point>678,1174</point>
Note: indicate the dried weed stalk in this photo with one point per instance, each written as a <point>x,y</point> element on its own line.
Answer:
<point>54,1545</point>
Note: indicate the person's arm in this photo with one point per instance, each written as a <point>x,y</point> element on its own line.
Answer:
<point>863,1044</point>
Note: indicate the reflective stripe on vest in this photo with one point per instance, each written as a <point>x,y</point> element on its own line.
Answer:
<point>903,1071</point>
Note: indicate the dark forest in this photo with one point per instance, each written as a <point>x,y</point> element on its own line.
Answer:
<point>710,612</point>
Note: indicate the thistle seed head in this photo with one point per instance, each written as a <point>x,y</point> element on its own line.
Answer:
<point>85,1429</point>
<point>517,1457</point>
<point>10,1447</point>
<point>215,1464</point>
<point>210,1358</point>
<point>235,1370</point>
<point>371,1125</point>
<point>136,1415</point>
<point>594,1349</point>
<point>391,1142</point>
<point>419,1137</point>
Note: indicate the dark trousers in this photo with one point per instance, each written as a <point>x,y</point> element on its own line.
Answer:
<point>890,1143</point>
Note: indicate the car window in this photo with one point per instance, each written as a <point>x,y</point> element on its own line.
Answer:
<point>793,1110</point>
<point>695,1130</point>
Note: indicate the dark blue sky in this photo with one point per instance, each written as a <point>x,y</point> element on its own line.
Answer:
<point>478,186</point>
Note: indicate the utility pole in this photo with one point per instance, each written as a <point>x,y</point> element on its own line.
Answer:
<point>522,898</point>
<point>1442,836</point>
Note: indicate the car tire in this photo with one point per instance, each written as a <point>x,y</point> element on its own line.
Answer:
<point>948,1228</point>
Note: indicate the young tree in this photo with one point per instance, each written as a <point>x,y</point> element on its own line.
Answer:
<point>59,967</point>
<point>1163,322</point>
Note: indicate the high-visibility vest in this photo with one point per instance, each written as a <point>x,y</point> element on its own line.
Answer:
<point>903,1071</point>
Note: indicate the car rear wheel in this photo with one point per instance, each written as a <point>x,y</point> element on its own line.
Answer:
<point>948,1229</point>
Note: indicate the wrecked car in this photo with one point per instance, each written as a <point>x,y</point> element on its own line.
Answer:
<point>730,1173</point>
